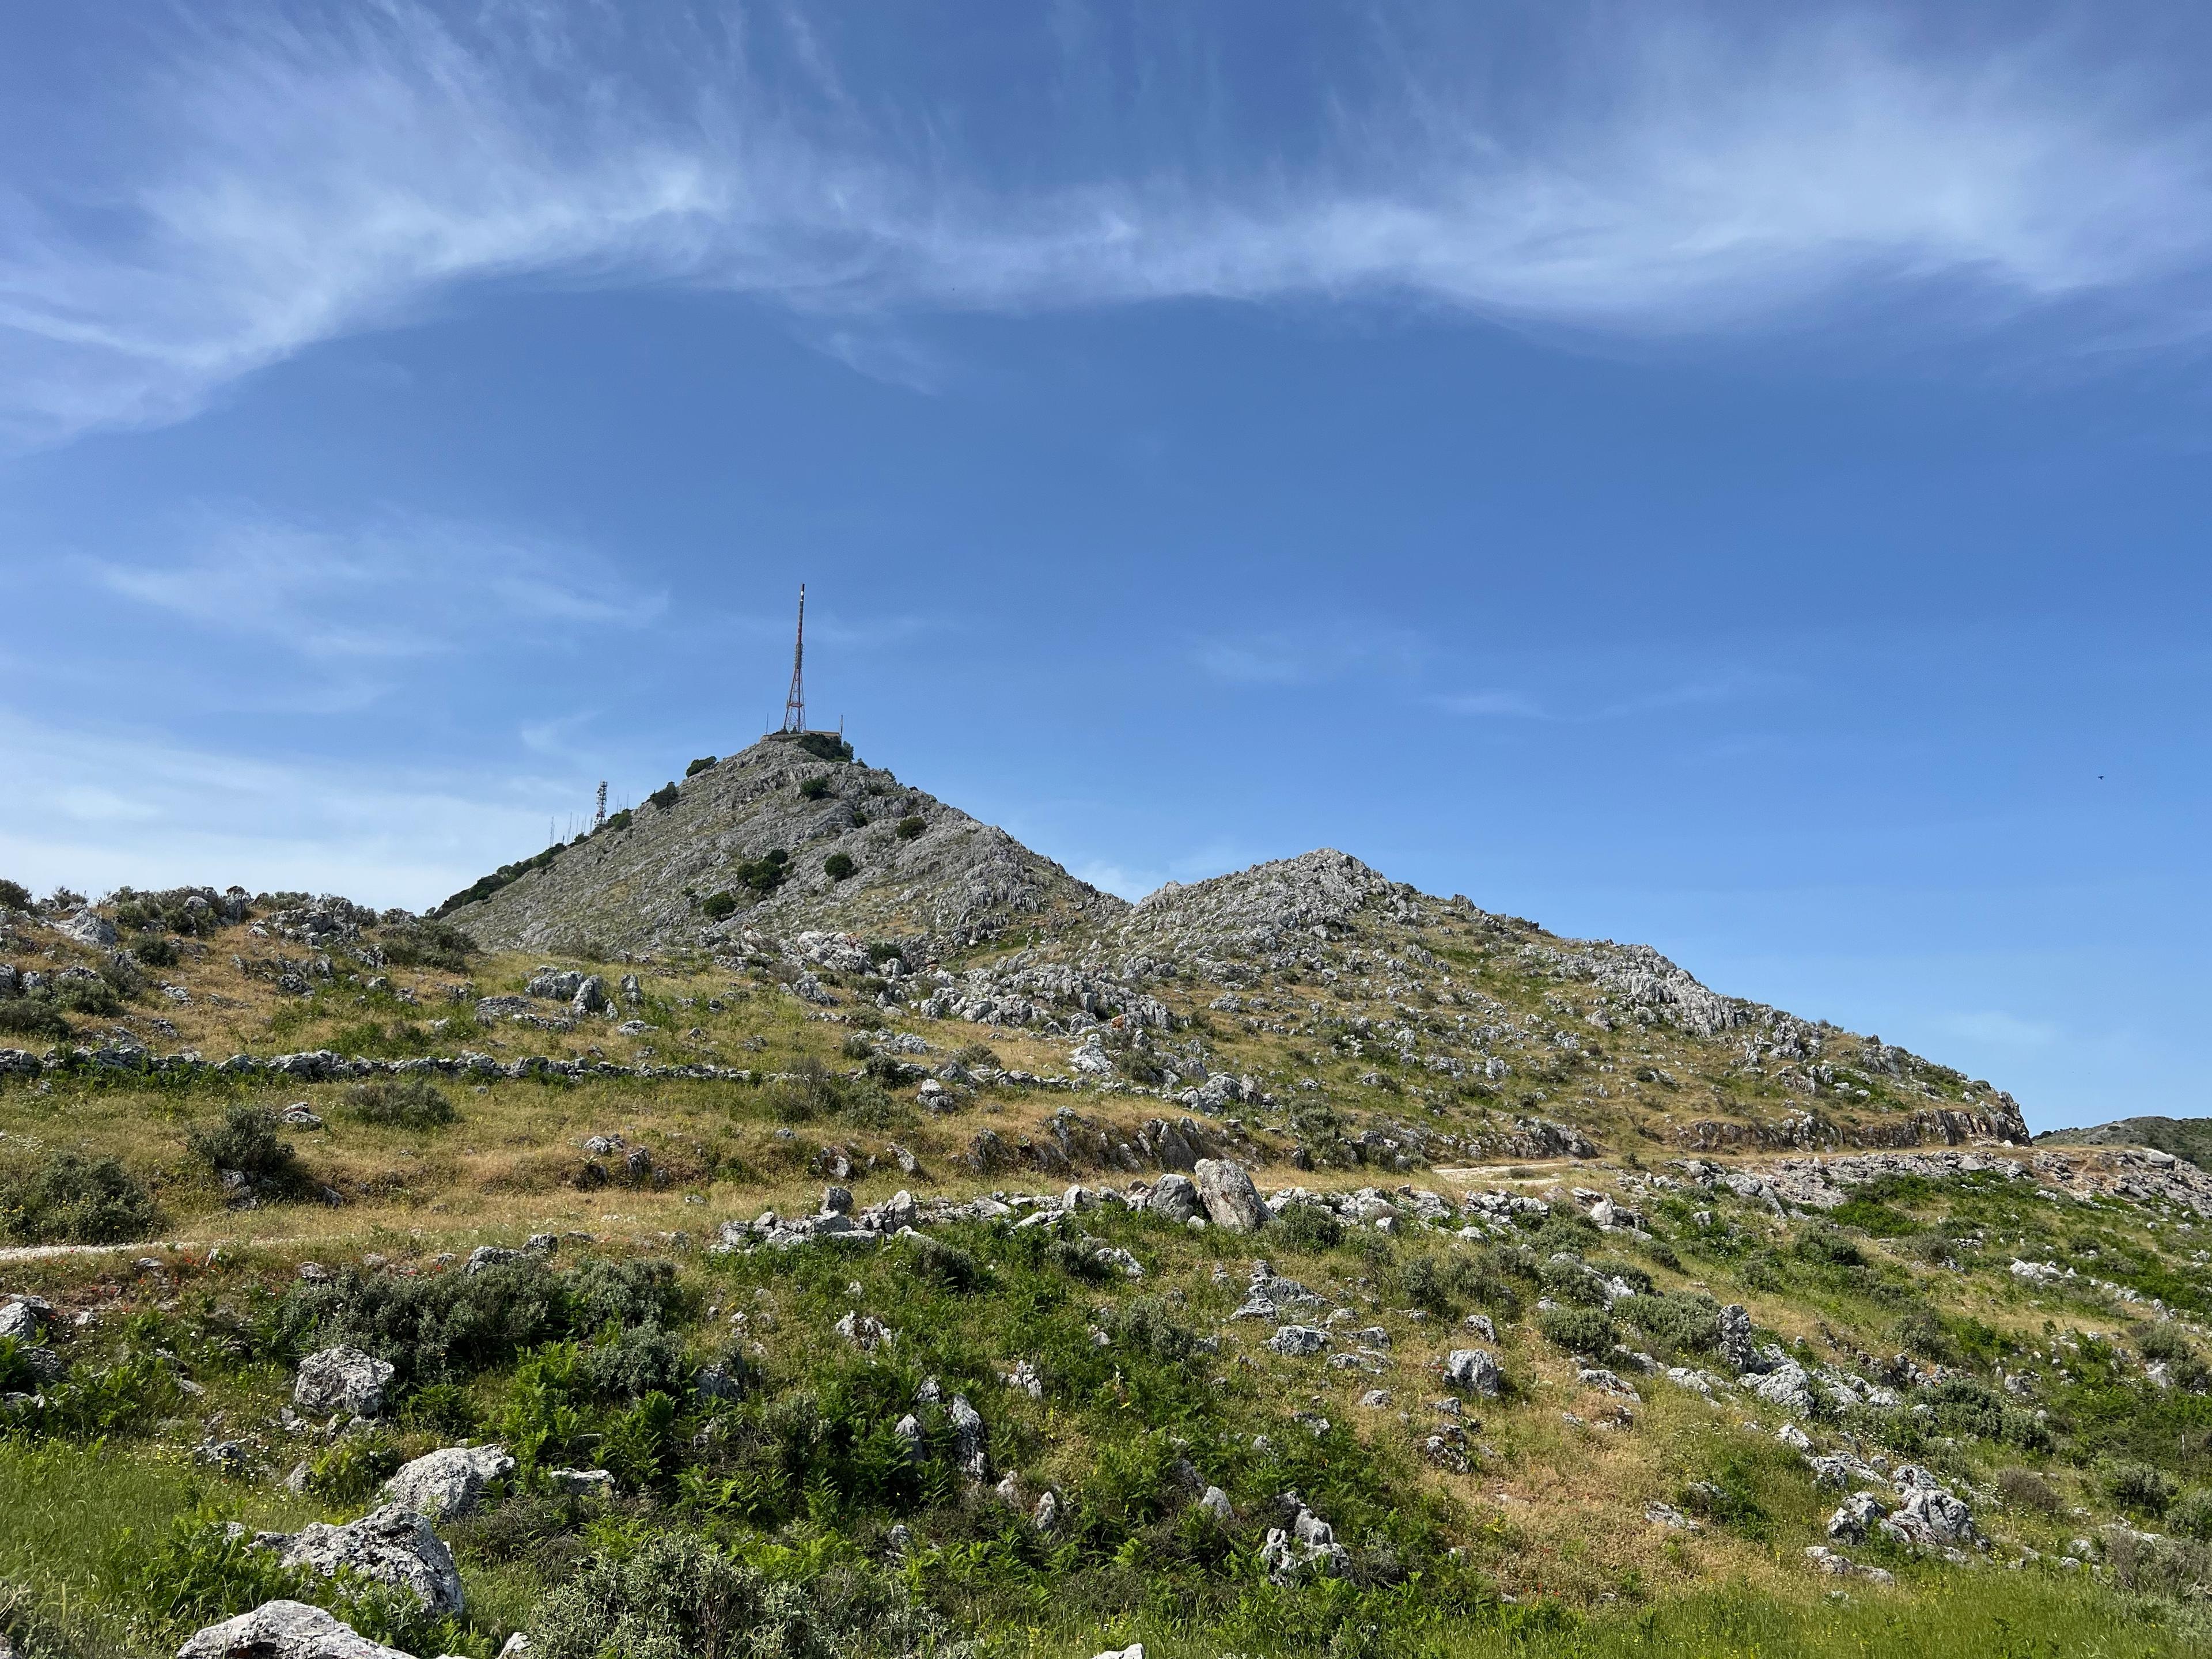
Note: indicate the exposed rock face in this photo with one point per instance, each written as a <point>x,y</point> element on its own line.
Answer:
<point>1231,1200</point>
<point>1475,1369</point>
<point>25,1318</point>
<point>955,882</point>
<point>449,1482</point>
<point>393,1545</point>
<point>1176,1197</point>
<point>342,1380</point>
<point>283,1630</point>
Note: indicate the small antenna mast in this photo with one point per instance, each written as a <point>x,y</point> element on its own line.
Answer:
<point>794,706</point>
<point>599,815</point>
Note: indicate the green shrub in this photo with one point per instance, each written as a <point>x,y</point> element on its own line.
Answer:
<point>678,1596</point>
<point>909,828</point>
<point>618,820</point>
<point>1148,1324</point>
<point>88,993</point>
<point>664,797</point>
<point>13,896</point>
<point>973,1054</point>
<point>32,1017</point>
<point>1585,1331</point>
<point>2025,1489</point>
<point>1729,1495</point>
<point>154,950</point>
<point>633,1361</point>
<point>1304,1225</point>
<point>71,1200</point>
<point>838,865</point>
<point>449,1326</point>
<point>407,1102</point>
<point>945,1265</point>
<point>1827,1247</point>
<point>698,766</point>
<point>2140,1487</point>
<point>2167,1343</point>
<point>2192,1516</point>
<point>350,1471</point>
<point>765,873</point>
<point>427,944</point>
<point>718,905</point>
<point>246,1141</point>
<point>1685,1321</point>
<point>814,788</point>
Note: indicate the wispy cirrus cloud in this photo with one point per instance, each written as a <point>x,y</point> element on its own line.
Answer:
<point>399,589</point>
<point>286,177</point>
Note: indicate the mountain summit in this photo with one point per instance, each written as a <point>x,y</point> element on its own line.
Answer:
<point>786,836</point>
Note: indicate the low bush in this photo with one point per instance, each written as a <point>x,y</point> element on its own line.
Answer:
<point>838,865</point>
<point>408,1102</point>
<point>352,1469</point>
<point>664,797</point>
<point>13,896</point>
<point>1685,1321</point>
<point>814,788</point>
<point>32,1017</point>
<point>2027,1490</point>
<point>154,950</point>
<point>911,827</point>
<point>699,766</point>
<point>450,1326</point>
<point>246,1141</point>
<point>678,1596</point>
<point>1306,1226</point>
<point>716,906</point>
<point>2141,1488</point>
<point>97,994</point>
<point>765,873</point>
<point>1587,1331</point>
<point>1828,1247</point>
<point>427,944</point>
<point>2191,1517</point>
<point>71,1200</point>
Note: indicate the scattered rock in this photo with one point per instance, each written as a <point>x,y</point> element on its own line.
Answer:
<point>1226,1191</point>
<point>393,1545</point>
<point>1299,1342</point>
<point>283,1630</point>
<point>1475,1369</point>
<point>450,1482</point>
<point>342,1380</point>
<point>1176,1197</point>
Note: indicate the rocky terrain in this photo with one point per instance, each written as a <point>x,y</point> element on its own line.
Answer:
<point>936,1256</point>
<point>757,830</point>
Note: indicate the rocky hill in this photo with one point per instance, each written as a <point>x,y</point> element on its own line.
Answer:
<point>2189,1138</point>
<point>937,1250</point>
<point>783,840</point>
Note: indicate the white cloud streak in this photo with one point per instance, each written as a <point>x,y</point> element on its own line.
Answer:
<point>287,184</point>
<point>407,588</point>
<point>380,835</point>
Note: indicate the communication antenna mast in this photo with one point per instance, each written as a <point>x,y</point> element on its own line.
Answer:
<point>599,816</point>
<point>794,706</point>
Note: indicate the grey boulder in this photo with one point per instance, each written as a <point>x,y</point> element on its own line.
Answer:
<point>393,1545</point>
<point>25,1318</point>
<point>342,1380</point>
<point>1231,1200</point>
<point>1476,1369</point>
<point>283,1630</point>
<point>449,1482</point>
<point>1175,1197</point>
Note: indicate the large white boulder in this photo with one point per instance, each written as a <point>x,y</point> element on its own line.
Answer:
<point>450,1481</point>
<point>283,1630</point>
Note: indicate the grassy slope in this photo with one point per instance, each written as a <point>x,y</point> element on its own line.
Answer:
<point>1550,1514</point>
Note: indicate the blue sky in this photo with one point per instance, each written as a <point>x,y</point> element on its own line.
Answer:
<point>1701,474</point>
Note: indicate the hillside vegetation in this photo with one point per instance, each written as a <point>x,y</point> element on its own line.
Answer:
<point>869,1266</point>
